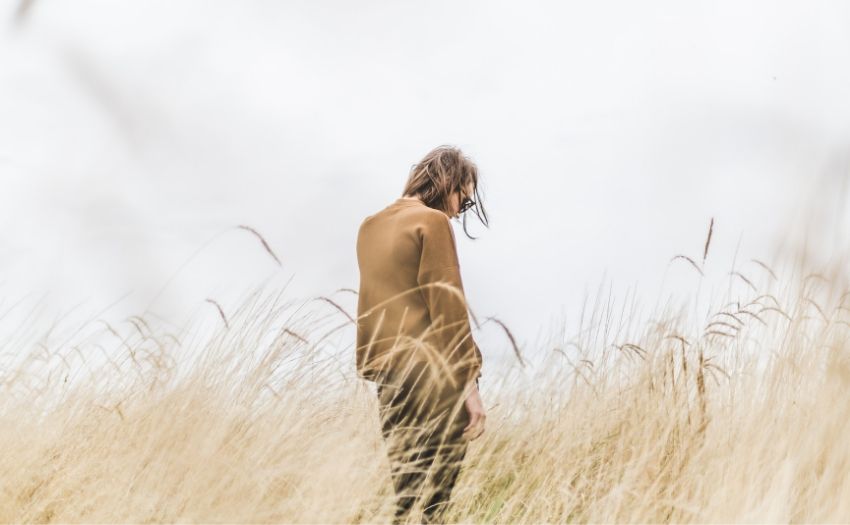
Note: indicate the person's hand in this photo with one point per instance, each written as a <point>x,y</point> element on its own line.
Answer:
<point>475,408</point>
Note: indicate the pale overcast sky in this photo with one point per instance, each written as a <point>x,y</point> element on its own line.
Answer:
<point>607,134</point>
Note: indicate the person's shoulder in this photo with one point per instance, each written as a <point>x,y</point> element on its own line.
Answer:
<point>429,215</point>
<point>433,223</point>
<point>365,224</point>
<point>366,219</point>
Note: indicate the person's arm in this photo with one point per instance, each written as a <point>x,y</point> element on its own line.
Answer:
<point>442,288</point>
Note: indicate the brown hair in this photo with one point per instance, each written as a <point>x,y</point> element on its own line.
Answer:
<point>444,170</point>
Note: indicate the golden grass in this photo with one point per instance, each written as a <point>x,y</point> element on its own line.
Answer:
<point>740,414</point>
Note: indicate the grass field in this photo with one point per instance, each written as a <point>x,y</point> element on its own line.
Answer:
<point>737,413</point>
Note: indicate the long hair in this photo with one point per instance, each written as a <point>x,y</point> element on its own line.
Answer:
<point>444,170</point>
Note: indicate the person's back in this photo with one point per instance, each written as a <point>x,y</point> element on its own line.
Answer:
<point>407,255</point>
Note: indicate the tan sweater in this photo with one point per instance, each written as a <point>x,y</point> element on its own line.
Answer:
<point>411,304</point>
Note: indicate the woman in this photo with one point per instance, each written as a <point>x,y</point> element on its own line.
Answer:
<point>413,333</point>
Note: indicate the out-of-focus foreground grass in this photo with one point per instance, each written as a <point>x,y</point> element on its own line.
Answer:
<point>739,413</point>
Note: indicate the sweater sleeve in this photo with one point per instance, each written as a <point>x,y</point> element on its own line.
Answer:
<point>442,288</point>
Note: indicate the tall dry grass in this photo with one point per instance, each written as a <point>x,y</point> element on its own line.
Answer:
<point>738,413</point>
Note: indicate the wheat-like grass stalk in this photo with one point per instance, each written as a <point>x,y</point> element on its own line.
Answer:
<point>220,311</point>
<point>767,268</point>
<point>708,240</point>
<point>337,306</point>
<point>744,278</point>
<point>689,260</point>
<point>265,244</point>
<point>511,339</point>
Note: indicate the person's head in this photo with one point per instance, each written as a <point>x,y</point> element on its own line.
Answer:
<point>443,180</point>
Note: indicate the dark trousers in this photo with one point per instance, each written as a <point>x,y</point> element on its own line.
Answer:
<point>421,422</point>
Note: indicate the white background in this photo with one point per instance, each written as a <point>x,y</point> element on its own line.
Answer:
<point>607,134</point>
